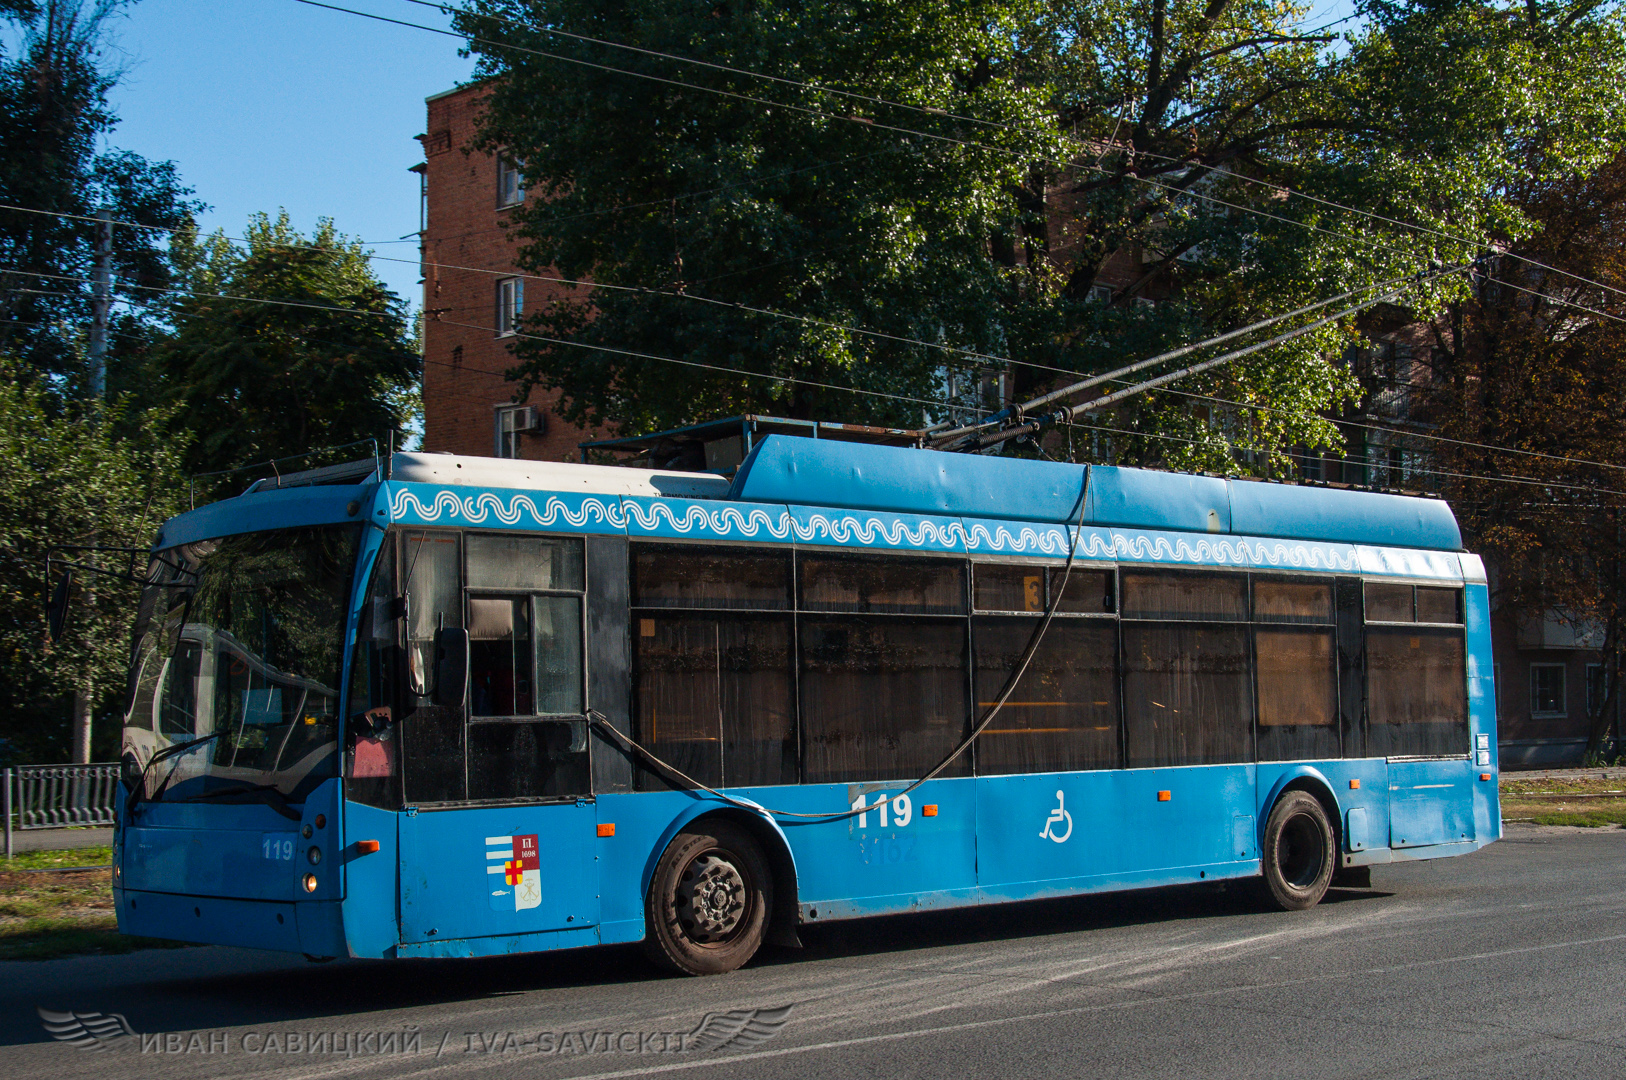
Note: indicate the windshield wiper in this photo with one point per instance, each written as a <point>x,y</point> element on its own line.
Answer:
<point>266,793</point>
<point>138,794</point>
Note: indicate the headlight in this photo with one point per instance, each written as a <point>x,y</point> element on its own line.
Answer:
<point>314,855</point>
<point>310,882</point>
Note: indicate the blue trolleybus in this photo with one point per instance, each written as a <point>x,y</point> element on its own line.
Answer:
<point>446,706</point>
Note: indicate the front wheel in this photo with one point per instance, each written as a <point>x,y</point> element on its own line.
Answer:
<point>1299,853</point>
<point>708,903</point>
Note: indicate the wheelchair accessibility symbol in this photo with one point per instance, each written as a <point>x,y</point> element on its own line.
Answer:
<point>1057,816</point>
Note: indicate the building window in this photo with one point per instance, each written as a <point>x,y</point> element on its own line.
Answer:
<point>1597,689</point>
<point>1547,690</point>
<point>510,305</point>
<point>510,183</point>
<point>1101,294</point>
<point>513,422</point>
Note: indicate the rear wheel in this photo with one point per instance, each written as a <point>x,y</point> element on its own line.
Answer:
<point>1299,853</point>
<point>708,903</point>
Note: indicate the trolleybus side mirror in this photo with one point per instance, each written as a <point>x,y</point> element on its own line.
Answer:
<point>451,666</point>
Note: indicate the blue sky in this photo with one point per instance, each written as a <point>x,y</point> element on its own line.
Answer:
<point>272,103</point>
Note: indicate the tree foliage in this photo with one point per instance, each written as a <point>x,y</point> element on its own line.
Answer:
<point>1535,361</point>
<point>81,479</point>
<point>281,345</point>
<point>960,174</point>
<point>54,112</point>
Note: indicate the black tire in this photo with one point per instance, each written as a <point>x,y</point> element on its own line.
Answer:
<point>1299,853</point>
<point>708,903</point>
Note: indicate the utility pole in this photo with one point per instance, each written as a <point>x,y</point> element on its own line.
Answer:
<point>101,304</point>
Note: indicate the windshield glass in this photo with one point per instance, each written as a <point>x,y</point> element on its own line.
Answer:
<point>237,652</point>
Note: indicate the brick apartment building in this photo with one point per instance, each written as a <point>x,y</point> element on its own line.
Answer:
<point>472,297</point>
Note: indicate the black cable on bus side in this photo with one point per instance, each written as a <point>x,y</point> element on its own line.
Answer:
<point>602,722</point>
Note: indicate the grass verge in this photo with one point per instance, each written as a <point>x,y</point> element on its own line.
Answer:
<point>48,916</point>
<point>1590,803</point>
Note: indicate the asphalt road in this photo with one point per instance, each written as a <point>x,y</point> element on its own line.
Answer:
<point>1508,962</point>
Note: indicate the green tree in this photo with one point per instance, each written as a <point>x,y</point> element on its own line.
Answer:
<point>282,345</point>
<point>54,113</point>
<point>1518,366</point>
<point>1048,137</point>
<point>71,479</point>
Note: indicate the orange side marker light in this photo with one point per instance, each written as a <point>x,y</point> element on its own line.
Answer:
<point>1354,785</point>
<point>929,810</point>
<point>366,847</point>
<point>1165,796</point>
<point>1484,776</point>
<point>606,828</point>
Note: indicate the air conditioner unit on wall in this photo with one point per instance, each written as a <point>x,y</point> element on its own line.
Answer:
<point>527,419</point>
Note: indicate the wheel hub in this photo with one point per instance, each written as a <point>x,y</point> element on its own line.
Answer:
<point>710,898</point>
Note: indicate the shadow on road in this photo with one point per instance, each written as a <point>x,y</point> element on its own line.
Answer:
<point>303,992</point>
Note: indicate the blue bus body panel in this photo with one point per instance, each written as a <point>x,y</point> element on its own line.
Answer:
<point>862,477</point>
<point>806,472</point>
<point>1355,517</point>
<point>1044,834</point>
<point>1140,498</point>
<point>453,879</point>
<point>371,881</point>
<point>265,510</point>
<point>705,519</point>
<point>564,512</point>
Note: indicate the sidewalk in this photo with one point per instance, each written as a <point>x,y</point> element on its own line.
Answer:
<point>58,839</point>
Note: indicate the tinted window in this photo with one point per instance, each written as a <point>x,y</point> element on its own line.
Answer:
<point>1292,601</point>
<point>687,577</point>
<point>882,699</point>
<point>884,585</point>
<point>1436,605</point>
<point>1172,595</point>
<point>1063,715</point>
<point>1188,695</point>
<point>1001,587</point>
<point>715,697</point>
<point>1416,691</point>
<point>1297,683</point>
<point>540,759</point>
<point>1388,603</point>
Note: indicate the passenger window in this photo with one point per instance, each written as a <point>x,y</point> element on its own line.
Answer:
<point>883,585</point>
<point>1188,695</point>
<point>1177,595</point>
<point>715,697</point>
<point>1002,587</point>
<point>1292,601</point>
<point>715,692</point>
<point>882,698</point>
<point>1063,714</point>
<point>1435,605</point>
<point>1389,603</point>
<point>1295,669</point>
<point>1416,691</point>
<point>692,577</point>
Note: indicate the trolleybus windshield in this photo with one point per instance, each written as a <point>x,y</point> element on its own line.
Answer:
<point>238,646</point>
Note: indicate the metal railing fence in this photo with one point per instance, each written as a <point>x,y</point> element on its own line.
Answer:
<point>59,796</point>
